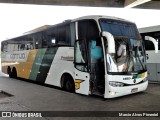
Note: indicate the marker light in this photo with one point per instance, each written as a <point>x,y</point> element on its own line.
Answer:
<point>112,93</point>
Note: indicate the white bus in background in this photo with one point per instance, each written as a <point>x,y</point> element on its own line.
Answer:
<point>89,55</point>
<point>153,61</point>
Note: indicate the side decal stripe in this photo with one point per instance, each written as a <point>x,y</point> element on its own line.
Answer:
<point>37,63</point>
<point>46,64</point>
<point>77,83</point>
<point>139,75</point>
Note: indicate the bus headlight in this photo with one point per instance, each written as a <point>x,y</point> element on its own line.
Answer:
<point>116,84</point>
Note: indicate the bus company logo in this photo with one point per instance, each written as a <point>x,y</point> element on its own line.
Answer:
<point>134,81</point>
<point>67,58</point>
<point>77,83</point>
<point>18,56</point>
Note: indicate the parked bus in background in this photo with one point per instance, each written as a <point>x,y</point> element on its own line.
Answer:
<point>153,61</point>
<point>89,55</point>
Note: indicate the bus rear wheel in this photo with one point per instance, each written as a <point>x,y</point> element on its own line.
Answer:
<point>14,73</point>
<point>68,83</point>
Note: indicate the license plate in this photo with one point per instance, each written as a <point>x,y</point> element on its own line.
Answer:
<point>134,90</point>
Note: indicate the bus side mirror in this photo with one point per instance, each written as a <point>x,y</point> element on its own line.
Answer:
<point>111,42</point>
<point>155,42</point>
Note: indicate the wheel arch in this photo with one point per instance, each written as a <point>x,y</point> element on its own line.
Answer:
<point>65,75</point>
<point>9,70</point>
<point>14,72</point>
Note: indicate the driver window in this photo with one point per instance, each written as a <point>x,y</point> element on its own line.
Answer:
<point>80,56</point>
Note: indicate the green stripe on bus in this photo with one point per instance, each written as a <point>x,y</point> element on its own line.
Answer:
<point>37,63</point>
<point>137,76</point>
<point>46,64</point>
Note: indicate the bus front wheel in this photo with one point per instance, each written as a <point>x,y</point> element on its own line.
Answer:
<point>68,83</point>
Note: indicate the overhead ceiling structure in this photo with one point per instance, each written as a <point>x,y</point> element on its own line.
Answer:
<point>144,4</point>
<point>134,3</point>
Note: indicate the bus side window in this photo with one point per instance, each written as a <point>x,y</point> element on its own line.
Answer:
<point>4,48</point>
<point>80,56</point>
<point>72,34</point>
<point>51,37</point>
<point>10,47</point>
<point>19,47</point>
<point>58,35</point>
<point>44,43</point>
<point>22,47</point>
<point>88,30</point>
<point>53,41</point>
<point>29,46</point>
<point>149,45</point>
<point>63,35</point>
<point>36,44</point>
<point>15,47</point>
<point>37,40</point>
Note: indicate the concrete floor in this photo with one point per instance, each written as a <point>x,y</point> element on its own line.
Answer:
<point>33,97</point>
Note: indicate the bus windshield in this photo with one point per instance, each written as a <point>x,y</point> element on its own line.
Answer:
<point>130,54</point>
<point>119,28</point>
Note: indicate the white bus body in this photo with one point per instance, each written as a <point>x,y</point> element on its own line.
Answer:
<point>153,61</point>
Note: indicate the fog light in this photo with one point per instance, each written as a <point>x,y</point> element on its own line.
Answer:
<point>112,93</point>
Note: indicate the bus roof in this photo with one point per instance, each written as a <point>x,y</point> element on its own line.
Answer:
<point>96,17</point>
<point>149,29</point>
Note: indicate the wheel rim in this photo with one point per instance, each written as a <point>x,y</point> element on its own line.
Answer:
<point>69,86</point>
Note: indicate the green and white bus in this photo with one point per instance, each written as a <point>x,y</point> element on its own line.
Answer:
<point>89,55</point>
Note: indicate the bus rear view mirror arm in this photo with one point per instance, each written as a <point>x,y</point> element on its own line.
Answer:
<point>155,42</point>
<point>110,40</point>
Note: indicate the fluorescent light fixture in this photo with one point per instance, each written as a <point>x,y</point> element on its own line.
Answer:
<point>137,2</point>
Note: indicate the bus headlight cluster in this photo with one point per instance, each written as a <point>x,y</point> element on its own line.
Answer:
<point>116,84</point>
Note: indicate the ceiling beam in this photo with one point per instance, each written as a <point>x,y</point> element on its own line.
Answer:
<point>150,5</point>
<point>134,3</point>
<point>93,3</point>
<point>143,4</point>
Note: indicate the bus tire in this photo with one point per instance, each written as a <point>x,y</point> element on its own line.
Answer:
<point>14,73</point>
<point>68,83</point>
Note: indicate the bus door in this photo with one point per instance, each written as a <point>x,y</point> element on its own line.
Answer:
<point>89,68</point>
<point>82,75</point>
<point>88,52</point>
<point>96,66</point>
